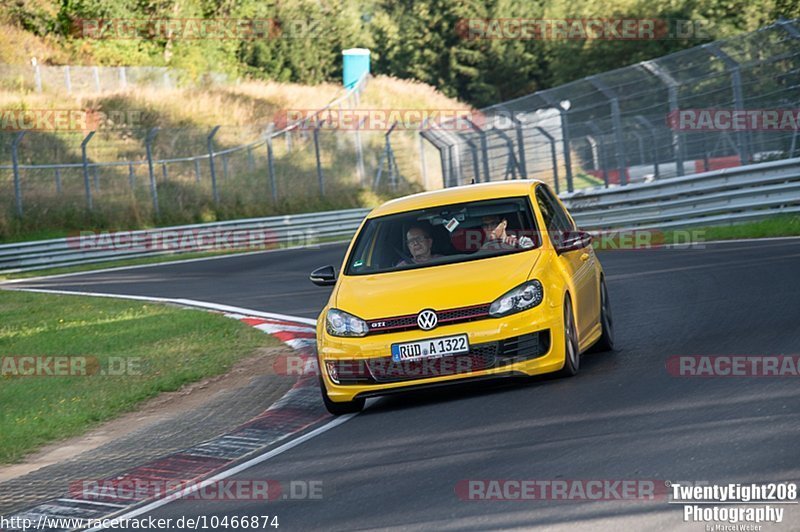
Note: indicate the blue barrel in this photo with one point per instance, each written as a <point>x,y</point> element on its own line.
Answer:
<point>356,65</point>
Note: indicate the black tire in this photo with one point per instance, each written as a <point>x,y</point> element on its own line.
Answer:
<point>572,356</point>
<point>606,341</point>
<point>340,409</point>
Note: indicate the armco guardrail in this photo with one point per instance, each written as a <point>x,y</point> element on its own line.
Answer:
<point>255,233</point>
<point>722,196</point>
<point>730,195</point>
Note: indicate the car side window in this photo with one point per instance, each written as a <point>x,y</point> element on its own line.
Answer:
<point>555,217</point>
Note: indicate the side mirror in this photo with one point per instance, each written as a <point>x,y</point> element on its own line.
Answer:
<point>325,276</point>
<point>572,240</point>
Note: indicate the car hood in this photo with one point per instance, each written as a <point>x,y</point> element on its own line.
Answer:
<point>438,287</point>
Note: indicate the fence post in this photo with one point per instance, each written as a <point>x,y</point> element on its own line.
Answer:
<point>210,143</point>
<point>484,149</point>
<point>360,172</point>
<point>67,79</point>
<point>197,171</point>
<point>563,109</point>
<point>523,165</point>
<point>273,187</point>
<point>512,164</point>
<point>131,177</point>
<point>732,66</point>
<point>423,166</point>
<point>164,171</point>
<point>553,154</point>
<point>651,128</point>
<point>15,164</point>
<point>58,180</point>
<point>320,178</point>
<point>616,122</point>
<point>149,149</point>
<point>603,161</point>
<point>390,158</point>
<point>672,95</point>
<point>96,75</point>
<point>37,76</point>
<point>86,185</point>
<point>123,78</point>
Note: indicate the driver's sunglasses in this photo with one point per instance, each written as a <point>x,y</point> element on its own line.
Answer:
<point>416,240</point>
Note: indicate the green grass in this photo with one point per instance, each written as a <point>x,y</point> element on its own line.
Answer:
<point>785,225</point>
<point>168,346</point>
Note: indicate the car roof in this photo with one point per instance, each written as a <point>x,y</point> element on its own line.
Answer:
<point>446,196</point>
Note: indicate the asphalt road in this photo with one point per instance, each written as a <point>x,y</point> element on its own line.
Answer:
<point>624,416</point>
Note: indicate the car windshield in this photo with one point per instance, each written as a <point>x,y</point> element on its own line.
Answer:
<point>444,235</point>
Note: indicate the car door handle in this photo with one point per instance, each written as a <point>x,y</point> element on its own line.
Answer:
<point>585,257</point>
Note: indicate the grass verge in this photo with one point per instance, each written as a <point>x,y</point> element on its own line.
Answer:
<point>783,225</point>
<point>161,348</point>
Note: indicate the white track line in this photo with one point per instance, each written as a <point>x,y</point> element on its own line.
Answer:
<point>233,471</point>
<point>178,301</point>
<point>166,263</point>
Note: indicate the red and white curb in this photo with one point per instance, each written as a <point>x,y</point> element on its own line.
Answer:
<point>196,467</point>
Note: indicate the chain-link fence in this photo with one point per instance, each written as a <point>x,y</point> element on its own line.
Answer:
<point>131,177</point>
<point>722,104</point>
<point>93,79</point>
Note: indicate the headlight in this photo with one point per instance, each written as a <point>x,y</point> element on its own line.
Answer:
<point>525,296</point>
<point>340,323</point>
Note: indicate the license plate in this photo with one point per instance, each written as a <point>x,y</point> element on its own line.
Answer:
<point>432,348</point>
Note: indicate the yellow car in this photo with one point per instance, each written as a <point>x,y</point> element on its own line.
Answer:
<point>465,283</point>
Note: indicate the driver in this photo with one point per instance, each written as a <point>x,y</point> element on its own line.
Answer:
<point>419,243</point>
<point>494,230</point>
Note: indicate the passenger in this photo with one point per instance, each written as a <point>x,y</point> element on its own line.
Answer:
<point>494,230</point>
<point>419,243</point>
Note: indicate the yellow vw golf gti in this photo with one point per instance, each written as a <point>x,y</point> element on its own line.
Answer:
<point>466,283</point>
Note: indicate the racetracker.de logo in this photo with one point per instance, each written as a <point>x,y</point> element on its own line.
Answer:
<point>734,365</point>
<point>69,366</point>
<point>381,119</point>
<point>734,120</point>
<point>582,29</point>
<point>561,490</point>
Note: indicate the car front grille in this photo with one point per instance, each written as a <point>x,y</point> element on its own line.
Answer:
<point>382,370</point>
<point>446,317</point>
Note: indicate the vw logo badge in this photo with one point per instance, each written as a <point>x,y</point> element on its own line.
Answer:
<point>427,320</point>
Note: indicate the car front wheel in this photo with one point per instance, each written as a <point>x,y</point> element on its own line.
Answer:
<point>340,409</point>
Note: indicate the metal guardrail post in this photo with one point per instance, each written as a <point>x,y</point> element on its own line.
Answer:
<point>210,144</point>
<point>87,187</point>
<point>148,144</point>
<point>649,127</point>
<point>616,122</point>
<point>553,154</point>
<point>15,164</point>
<point>678,147</point>
<point>58,180</point>
<point>320,177</point>
<point>273,187</point>
<point>732,66</point>
<point>197,171</point>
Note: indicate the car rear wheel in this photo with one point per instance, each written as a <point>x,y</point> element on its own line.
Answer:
<point>340,409</point>
<point>606,341</point>
<point>572,357</point>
